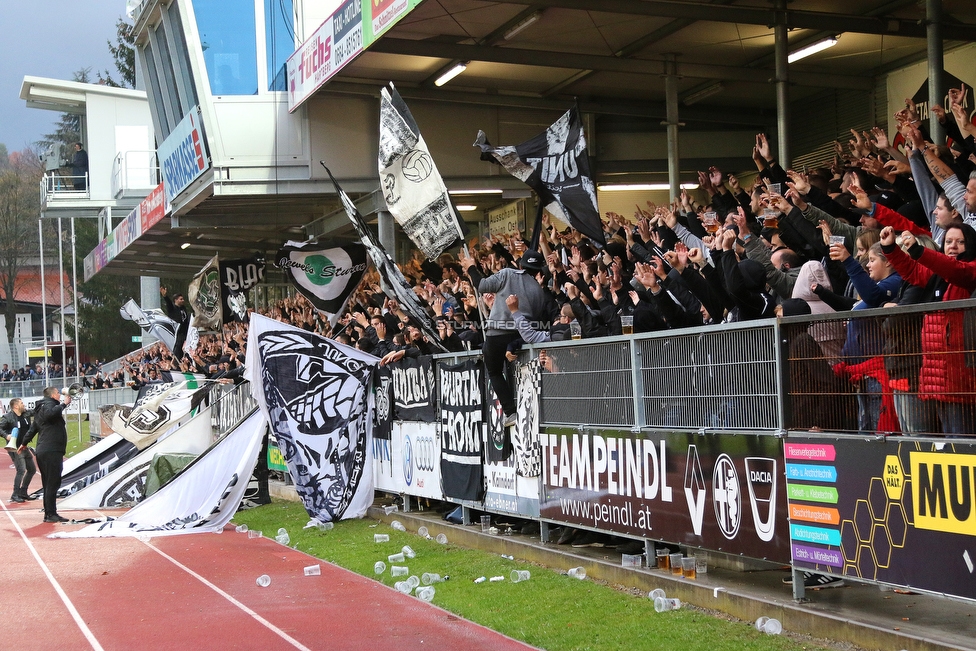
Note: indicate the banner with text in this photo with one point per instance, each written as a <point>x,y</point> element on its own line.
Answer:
<point>143,217</point>
<point>718,491</point>
<point>462,418</point>
<point>413,389</point>
<point>877,511</point>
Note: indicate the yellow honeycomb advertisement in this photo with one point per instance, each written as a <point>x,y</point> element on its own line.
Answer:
<point>875,510</point>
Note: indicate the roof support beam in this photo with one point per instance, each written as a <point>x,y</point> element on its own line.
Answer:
<point>761,16</point>
<point>517,56</point>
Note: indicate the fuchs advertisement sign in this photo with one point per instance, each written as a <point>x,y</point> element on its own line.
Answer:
<point>879,510</point>
<point>719,491</point>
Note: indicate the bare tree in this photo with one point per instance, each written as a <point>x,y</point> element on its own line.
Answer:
<point>19,211</point>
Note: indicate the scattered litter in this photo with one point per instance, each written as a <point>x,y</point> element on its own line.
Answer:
<point>577,572</point>
<point>379,567</point>
<point>441,538</point>
<point>264,581</point>
<point>241,528</point>
<point>409,552</point>
<point>396,524</point>
<point>480,579</point>
<point>663,604</point>
<point>381,537</point>
<point>509,557</point>
<point>423,533</point>
<point>425,594</point>
<point>716,591</point>
<point>655,593</point>
<point>396,558</point>
<point>496,579</point>
<point>313,570</point>
<point>254,534</point>
<point>399,570</point>
<point>390,509</point>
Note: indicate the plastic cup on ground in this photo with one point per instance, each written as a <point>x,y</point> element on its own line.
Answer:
<point>282,532</point>
<point>403,586</point>
<point>379,567</point>
<point>441,538</point>
<point>661,554</point>
<point>283,538</point>
<point>772,627</point>
<point>408,551</point>
<point>663,604</point>
<point>688,567</point>
<point>425,594</point>
<point>701,564</point>
<point>264,581</point>
<point>254,534</point>
<point>430,577</point>
<point>655,593</point>
<point>631,560</point>
<point>396,558</point>
<point>381,537</point>
<point>390,509</point>
<point>241,528</point>
<point>520,575</point>
<point>480,579</point>
<point>675,561</point>
<point>577,572</point>
<point>399,570</point>
<point>760,623</point>
<point>423,532</point>
<point>396,524</point>
<point>485,523</point>
<point>413,580</point>
<point>313,570</point>
<point>325,526</point>
<point>497,579</point>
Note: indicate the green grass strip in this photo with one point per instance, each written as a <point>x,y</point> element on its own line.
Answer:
<point>550,611</point>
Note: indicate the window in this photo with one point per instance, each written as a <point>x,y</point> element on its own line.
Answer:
<point>279,27</point>
<point>155,92</point>
<point>159,38</point>
<point>228,39</point>
<point>181,57</point>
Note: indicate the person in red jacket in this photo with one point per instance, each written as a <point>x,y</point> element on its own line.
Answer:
<point>945,376</point>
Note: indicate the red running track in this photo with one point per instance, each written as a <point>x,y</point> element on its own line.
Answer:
<point>198,591</point>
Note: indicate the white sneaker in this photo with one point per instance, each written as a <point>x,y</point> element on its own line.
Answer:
<point>510,420</point>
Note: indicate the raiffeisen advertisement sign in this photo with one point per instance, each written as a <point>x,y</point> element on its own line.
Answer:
<point>183,155</point>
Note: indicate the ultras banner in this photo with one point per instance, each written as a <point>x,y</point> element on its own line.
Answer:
<point>412,186</point>
<point>125,485</point>
<point>462,406</point>
<point>201,499</point>
<point>718,491</point>
<point>158,407</point>
<point>901,512</point>
<point>412,381</point>
<point>236,278</point>
<point>316,395</point>
<point>203,295</point>
<point>106,455</point>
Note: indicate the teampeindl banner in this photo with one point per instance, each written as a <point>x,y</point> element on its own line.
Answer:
<point>316,395</point>
<point>900,511</point>
<point>725,492</point>
<point>201,499</point>
<point>125,485</point>
<point>462,420</point>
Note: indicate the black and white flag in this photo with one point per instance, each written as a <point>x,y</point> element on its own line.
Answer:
<point>413,188</point>
<point>555,164</point>
<point>109,453</point>
<point>327,277</point>
<point>525,440</point>
<point>315,393</point>
<point>236,278</point>
<point>394,284</point>
<point>203,295</point>
<point>413,389</point>
<point>152,322</point>
<point>158,407</point>
<point>462,430</point>
<point>383,401</point>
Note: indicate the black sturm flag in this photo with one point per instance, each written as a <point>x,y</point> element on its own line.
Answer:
<point>413,389</point>
<point>555,164</point>
<point>462,430</point>
<point>327,277</point>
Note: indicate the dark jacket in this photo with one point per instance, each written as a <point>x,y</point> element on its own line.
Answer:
<point>49,421</point>
<point>11,423</point>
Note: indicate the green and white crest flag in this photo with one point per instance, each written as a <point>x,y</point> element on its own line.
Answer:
<point>326,277</point>
<point>204,296</point>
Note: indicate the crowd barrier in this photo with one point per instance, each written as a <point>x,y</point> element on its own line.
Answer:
<point>718,438</point>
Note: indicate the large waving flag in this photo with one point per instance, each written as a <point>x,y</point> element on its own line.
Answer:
<point>327,277</point>
<point>203,294</point>
<point>413,188</point>
<point>555,164</point>
<point>394,284</point>
<point>316,394</point>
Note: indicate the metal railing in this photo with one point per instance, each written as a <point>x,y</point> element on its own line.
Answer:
<point>134,170</point>
<point>57,186</point>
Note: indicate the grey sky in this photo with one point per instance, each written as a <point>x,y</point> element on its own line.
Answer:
<point>49,38</point>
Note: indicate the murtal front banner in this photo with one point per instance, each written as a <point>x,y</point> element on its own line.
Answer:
<point>724,492</point>
<point>901,511</point>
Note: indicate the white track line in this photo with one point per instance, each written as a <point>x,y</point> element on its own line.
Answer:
<point>274,629</point>
<point>54,582</point>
